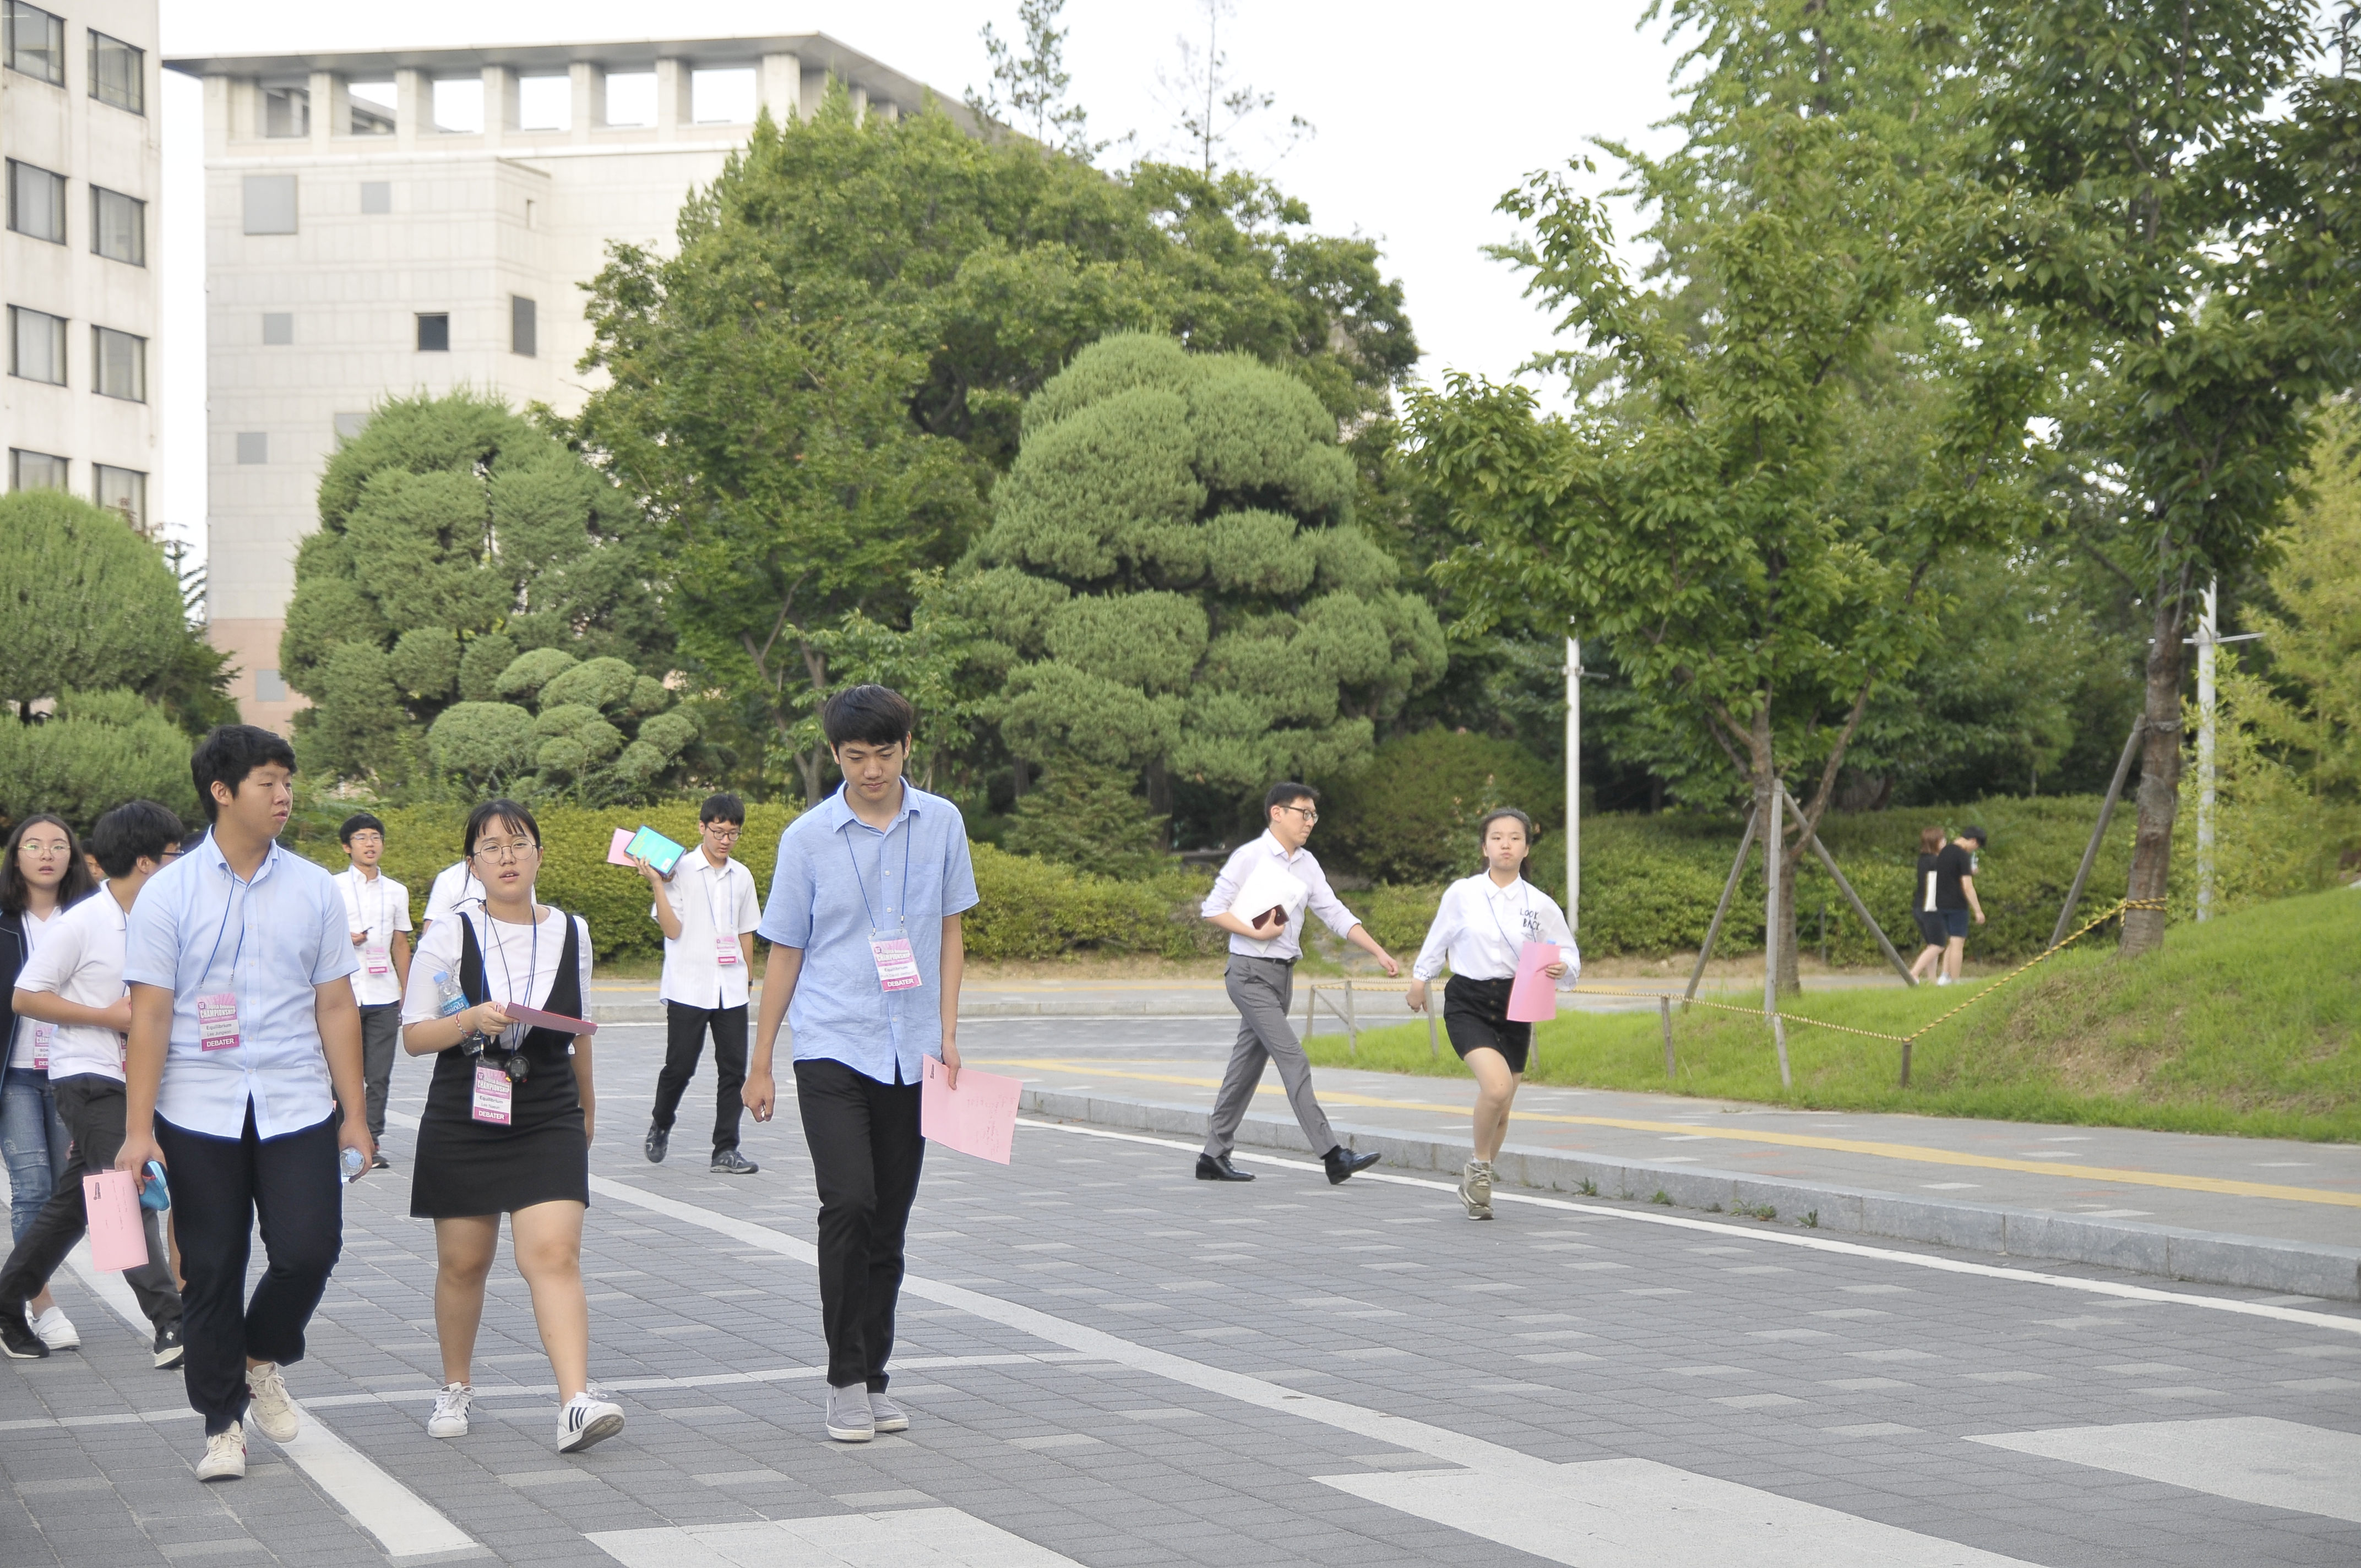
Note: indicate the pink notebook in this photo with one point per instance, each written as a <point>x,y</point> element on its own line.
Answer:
<point>1532,996</point>
<point>117,1240</point>
<point>534,1018</point>
<point>616,847</point>
<point>979,1117</point>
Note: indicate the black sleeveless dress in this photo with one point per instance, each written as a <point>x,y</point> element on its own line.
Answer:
<point>464,1168</point>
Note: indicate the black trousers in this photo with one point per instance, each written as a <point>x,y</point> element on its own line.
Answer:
<point>381,1039</point>
<point>865,1153</point>
<point>91,1107</point>
<point>220,1185</point>
<point>685,1029</point>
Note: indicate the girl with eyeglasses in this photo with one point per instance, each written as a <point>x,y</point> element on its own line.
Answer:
<point>508,1119</point>
<point>1481,927</point>
<point>40,878</point>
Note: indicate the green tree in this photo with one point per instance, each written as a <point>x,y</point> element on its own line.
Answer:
<point>595,730</point>
<point>88,603</point>
<point>2311,649</point>
<point>1035,83</point>
<point>455,532</point>
<point>96,751</point>
<point>1175,584</point>
<point>1086,816</point>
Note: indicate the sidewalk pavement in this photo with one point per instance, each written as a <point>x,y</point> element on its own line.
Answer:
<point>2252,1211</point>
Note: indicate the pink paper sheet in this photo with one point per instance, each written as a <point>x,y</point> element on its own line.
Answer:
<point>117,1240</point>
<point>615,855</point>
<point>533,1017</point>
<point>979,1117</point>
<point>1532,996</point>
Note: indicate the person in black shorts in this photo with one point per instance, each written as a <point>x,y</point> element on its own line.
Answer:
<point>1955,898</point>
<point>508,1119</point>
<point>1932,929</point>
<point>1481,926</point>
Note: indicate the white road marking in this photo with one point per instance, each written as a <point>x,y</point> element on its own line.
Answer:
<point>1814,1244</point>
<point>405,1525</point>
<point>2253,1459</point>
<point>705,1380</point>
<point>907,1538</point>
<point>1636,1513</point>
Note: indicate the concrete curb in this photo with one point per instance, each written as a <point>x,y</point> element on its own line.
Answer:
<point>2305,1268</point>
<point>992,1007</point>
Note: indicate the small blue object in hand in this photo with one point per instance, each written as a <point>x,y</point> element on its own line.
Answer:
<point>153,1192</point>
<point>354,1164</point>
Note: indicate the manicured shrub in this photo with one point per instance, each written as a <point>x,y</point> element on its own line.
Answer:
<point>1410,816</point>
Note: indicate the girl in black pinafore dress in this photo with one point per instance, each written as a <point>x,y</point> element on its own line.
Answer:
<point>508,1119</point>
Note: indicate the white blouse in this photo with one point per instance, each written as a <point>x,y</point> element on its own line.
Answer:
<point>520,961</point>
<point>1481,927</point>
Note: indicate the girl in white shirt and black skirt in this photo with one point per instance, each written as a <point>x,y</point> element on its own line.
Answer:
<point>508,1121</point>
<point>1481,927</point>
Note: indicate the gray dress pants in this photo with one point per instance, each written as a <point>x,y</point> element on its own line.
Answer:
<point>1261,988</point>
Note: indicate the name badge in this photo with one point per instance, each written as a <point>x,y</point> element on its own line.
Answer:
<point>44,1036</point>
<point>494,1094</point>
<point>217,1021</point>
<point>376,959</point>
<point>725,951</point>
<point>897,966</point>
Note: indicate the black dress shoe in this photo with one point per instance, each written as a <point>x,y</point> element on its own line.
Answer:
<point>659,1140</point>
<point>1343,1162</point>
<point>1213,1169</point>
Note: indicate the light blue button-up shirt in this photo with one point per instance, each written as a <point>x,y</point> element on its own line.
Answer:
<point>839,881</point>
<point>200,930</point>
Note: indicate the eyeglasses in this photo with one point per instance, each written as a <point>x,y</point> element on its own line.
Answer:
<point>1308,814</point>
<point>723,834</point>
<point>515,852</point>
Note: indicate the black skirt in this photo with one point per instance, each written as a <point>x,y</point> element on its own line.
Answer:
<point>463,1168</point>
<point>1476,1017</point>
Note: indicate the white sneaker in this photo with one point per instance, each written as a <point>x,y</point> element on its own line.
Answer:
<point>1942,980</point>
<point>1476,1189</point>
<point>450,1416</point>
<point>224,1457</point>
<point>850,1417</point>
<point>585,1419</point>
<point>886,1415</point>
<point>270,1404</point>
<point>57,1330</point>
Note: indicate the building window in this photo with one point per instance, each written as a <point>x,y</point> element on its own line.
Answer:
<point>123,491</point>
<point>119,364</point>
<point>278,328</point>
<point>350,425</point>
<point>434,333</point>
<point>253,447</point>
<point>722,97</point>
<point>33,41</point>
<point>545,102</point>
<point>373,107</point>
<point>36,346</point>
<point>459,106</point>
<point>37,202</point>
<point>269,687</point>
<point>523,326</point>
<point>270,204</point>
<point>118,226</point>
<point>632,98</point>
<point>286,112</point>
<point>377,196</point>
<point>119,72</point>
<point>36,471</point>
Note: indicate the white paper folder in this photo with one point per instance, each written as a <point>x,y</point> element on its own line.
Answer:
<point>1269,887</point>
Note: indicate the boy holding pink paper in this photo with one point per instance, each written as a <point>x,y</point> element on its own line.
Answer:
<point>1488,927</point>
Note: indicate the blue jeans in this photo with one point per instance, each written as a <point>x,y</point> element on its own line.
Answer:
<point>34,1143</point>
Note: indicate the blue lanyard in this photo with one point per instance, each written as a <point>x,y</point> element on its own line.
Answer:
<point>234,953</point>
<point>532,969</point>
<point>866,906</point>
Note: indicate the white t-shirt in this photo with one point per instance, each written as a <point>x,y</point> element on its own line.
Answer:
<point>37,931</point>
<point>520,961</point>
<point>380,907</point>
<point>454,884</point>
<point>80,961</point>
<point>714,906</point>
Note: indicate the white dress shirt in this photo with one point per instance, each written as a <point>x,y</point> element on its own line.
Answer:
<point>1481,927</point>
<point>377,906</point>
<point>200,930</point>
<point>520,961</point>
<point>714,906</point>
<point>454,885</point>
<point>80,961</point>
<point>37,931</point>
<point>1321,899</point>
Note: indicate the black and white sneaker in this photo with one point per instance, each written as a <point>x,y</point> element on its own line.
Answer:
<point>17,1340</point>
<point>586,1420</point>
<point>659,1141</point>
<point>169,1351</point>
<point>730,1162</point>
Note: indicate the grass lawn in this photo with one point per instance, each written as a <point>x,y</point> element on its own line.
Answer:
<point>2250,1023</point>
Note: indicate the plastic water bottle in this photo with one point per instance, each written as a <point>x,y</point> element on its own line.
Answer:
<point>448,997</point>
<point>353,1164</point>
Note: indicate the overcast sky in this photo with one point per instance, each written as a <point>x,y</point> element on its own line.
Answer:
<point>1423,116</point>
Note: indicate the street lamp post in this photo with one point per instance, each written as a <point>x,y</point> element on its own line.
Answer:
<point>1573,785</point>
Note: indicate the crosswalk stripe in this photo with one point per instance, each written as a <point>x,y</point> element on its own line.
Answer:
<point>2251,1459</point>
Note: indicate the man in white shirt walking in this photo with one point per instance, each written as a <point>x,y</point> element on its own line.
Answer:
<point>1260,979</point>
<point>707,909</point>
<point>74,981</point>
<point>376,908</point>
<point>454,888</point>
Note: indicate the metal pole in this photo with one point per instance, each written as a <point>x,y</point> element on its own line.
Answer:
<point>1352,1030</point>
<point>1779,1041</point>
<point>1829,863</point>
<point>2099,829</point>
<point>1664,1013</point>
<point>1434,1051</point>
<point>1713,931</point>
<point>1573,785</point>
<point>2209,632</point>
<point>1772,845</point>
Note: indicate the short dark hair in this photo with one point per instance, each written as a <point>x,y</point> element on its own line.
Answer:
<point>1978,834</point>
<point>1288,793</point>
<point>358,822</point>
<point>16,892</point>
<point>136,830</point>
<point>870,714</point>
<point>721,807</point>
<point>228,754</point>
<point>501,810</point>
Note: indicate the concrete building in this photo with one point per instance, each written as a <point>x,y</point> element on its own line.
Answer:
<point>84,176</point>
<point>417,219</point>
